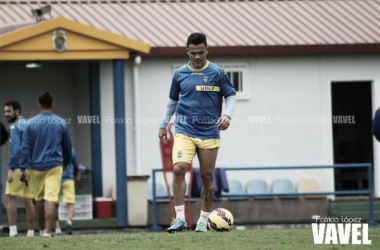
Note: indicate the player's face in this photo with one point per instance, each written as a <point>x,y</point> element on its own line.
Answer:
<point>9,113</point>
<point>197,55</point>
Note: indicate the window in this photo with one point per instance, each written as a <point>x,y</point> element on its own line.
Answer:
<point>238,74</point>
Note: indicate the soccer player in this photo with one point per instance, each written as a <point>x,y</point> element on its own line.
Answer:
<point>46,148</point>
<point>68,192</point>
<point>196,98</point>
<point>14,186</point>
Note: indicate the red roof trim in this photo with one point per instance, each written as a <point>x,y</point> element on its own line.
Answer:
<point>272,50</point>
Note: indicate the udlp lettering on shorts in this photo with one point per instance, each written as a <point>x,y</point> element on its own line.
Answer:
<point>339,233</point>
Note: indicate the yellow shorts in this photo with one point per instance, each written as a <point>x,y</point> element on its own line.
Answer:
<point>17,187</point>
<point>68,191</point>
<point>46,184</point>
<point>185,147</point>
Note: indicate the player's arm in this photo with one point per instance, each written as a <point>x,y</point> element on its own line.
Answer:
<point>170,109</point>
<point>169,112</point>
<point>66,146</point>
<point>25,150</point>
<point>229,94</point>
<point>75,163</point>
<point>15,148</point>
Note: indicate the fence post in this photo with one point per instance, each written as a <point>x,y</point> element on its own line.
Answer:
<point>371,220</point>
<point>155,227</point>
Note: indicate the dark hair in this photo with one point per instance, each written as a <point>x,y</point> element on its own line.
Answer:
<point>46,100</point>
<point>196,38</point>
<point>15,105</point>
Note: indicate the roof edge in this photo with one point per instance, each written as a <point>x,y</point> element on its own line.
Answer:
<point>273,50</point>
<point>60,22</point>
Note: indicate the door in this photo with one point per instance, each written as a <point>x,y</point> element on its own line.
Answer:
<point>352,137</point>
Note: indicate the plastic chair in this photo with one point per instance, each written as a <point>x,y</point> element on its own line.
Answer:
<point>258,187</point>
<point>308,186</point>
<point>282,186</point>
<point>167,165</point>
<point>235,188</point>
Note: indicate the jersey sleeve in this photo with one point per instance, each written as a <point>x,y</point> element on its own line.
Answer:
<point>15,148</point>
<point>66,146</point>
<point>25,150</point>
<point>226,87</point>
<point>175,88</point>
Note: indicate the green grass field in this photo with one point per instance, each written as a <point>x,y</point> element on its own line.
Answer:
<point>247,239</point>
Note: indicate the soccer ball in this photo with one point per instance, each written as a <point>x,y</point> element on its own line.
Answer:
<point>220,220</point>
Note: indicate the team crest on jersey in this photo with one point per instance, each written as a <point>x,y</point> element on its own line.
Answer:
<point>224,72</point>
<point>179,155</point>
<point>205,79</point>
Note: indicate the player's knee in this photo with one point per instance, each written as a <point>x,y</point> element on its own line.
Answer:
<point>179,170</point>
<point>9,200</point>
<point>207,178</point>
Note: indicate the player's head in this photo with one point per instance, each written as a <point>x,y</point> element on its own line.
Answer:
<point>12,111</point>
<point>45,101</point>
<point>197,50</point>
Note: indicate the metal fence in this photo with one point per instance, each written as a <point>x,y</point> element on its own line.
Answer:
<point>369,191</point>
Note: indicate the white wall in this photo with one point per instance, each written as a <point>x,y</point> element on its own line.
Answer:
<point>294,89</point>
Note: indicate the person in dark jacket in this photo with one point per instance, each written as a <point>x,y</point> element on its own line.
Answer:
<point>46,148</point>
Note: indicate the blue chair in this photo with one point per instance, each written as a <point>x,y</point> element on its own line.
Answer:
<point>258,187</point>
<point>282,186</point>
<point>235,188</point>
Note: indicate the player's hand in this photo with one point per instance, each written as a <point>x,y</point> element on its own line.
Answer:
<point>24,178</point>
<point>224,122</point>
<point>163,135</point>
<point>10,177</point>
<point>78,176</point>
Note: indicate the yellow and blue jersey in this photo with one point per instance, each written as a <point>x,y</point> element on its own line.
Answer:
<point>15,137</point>
<point>199,93</point>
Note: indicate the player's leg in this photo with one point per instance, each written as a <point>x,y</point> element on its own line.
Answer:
<point>207,154</point>
<point>40,212</point>
<point>183,154</point>
<point>12,190</point>
<point>51,196</point>
<point>30,215</point>
<point>58,230</point>
<point>68,191</point>
<point>37,184</point>
<point>70,215</point>
<point>29,207</point>
<point>50,214</point>
<point>12,214</point>
<point>207,160</point>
